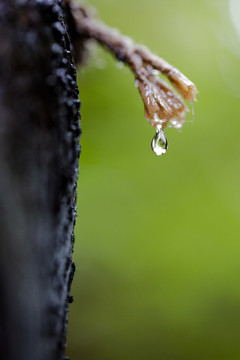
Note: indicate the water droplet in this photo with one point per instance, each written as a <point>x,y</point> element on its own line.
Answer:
<point>159,143</point>
<point>192,110</point>
<point>120,65</point>
<point>136,83</point>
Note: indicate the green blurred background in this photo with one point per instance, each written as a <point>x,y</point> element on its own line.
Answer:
<point>157,248</point>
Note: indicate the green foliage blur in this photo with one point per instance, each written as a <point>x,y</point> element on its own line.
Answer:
<point>157,248</point>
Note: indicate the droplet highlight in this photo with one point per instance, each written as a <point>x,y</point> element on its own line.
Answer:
<point>159,143</point>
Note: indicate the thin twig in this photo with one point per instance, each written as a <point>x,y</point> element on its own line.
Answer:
<point>161,103</point>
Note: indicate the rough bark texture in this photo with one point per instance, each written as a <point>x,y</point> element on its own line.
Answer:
<point>39,151</point>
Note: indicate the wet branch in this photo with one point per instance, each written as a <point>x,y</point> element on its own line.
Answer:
<point>161,103</point>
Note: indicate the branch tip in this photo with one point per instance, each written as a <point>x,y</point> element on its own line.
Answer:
<point>162,105</point>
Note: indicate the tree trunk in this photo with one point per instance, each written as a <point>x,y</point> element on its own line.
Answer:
<point>39,151</point>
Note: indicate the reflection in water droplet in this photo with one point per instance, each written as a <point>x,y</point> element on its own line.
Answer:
<point>159,143</point>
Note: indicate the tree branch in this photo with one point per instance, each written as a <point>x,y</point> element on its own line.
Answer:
<point>161,103</point>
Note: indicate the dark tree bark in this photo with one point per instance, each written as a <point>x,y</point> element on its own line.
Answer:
<point>39,151</point>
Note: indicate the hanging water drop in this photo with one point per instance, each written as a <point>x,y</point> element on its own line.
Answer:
<point>159,143</point>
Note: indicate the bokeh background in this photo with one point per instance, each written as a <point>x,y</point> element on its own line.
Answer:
<point>157,248</point>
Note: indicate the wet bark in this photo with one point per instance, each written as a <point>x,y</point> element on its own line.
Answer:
<point>39,151</point>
